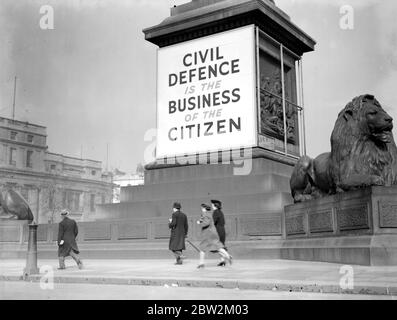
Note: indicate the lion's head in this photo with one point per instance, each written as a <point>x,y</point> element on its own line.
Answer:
<point>365,117</point>
<point>362,144</point>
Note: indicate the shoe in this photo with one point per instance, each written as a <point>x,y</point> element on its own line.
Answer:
<point>178,261</point>
<point>222,264</point>
<point>61,268</point>
<point>200,266</point>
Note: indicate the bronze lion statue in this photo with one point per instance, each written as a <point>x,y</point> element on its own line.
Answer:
<point>14,206</point>
<point>363,153</point>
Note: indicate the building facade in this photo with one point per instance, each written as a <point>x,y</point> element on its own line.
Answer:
<point>49,181</point>
<point>125,180</point>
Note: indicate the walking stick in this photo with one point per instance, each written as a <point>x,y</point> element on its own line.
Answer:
<point>197,249</point>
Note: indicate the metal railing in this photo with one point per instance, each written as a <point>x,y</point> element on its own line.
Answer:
<point>299,105</point>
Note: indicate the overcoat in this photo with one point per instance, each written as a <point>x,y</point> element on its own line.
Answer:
<point>209,235</point>
<point>219,222</point>
<point>179,228</point>
<point>67,232</point>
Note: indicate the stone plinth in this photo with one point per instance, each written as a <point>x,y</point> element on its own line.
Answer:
<point>358,227</point>
<point>258,196</point>
<point>11,231</point>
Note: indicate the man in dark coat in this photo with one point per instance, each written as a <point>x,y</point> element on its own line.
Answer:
<point>179,228</point>
<point>219,220</point>
<point>67,245</point>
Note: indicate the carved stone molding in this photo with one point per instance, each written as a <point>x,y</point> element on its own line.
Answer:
<point>261,227</point>
<point>387,214</point>
<point>98,232</point>
<point>353,218</point>
<point>161,230</point>
<point>295,225</point>
<point>320,221</point>
<point>132,231</point>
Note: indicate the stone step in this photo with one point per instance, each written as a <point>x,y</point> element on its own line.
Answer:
<point>355,250</point>
<point>230,186</point>
<point>258,166</point>
<point>154,250</point>
<point>270,204</point>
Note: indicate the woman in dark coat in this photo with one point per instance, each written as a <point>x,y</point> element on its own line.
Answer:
<point>219,220</point>
<point>209,237</point>
<point>179,228</point>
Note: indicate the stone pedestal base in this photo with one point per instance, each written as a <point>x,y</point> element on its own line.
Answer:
<point>254,196</point>
<point>358,227</point>
<point>378,250</point>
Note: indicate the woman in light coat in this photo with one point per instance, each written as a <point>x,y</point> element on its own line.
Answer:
<point>210,239</point>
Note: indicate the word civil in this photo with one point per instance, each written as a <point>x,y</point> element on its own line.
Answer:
<point>213,69</point>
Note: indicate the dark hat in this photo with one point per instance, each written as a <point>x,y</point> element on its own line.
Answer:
<point>206,207</point>
<point>217,203</point>
<point>177,205</point>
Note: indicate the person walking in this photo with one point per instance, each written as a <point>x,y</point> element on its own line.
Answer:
<point>210,239</point>
<point>179,229</point>
<point>67,245</point>
<point>219,220</point>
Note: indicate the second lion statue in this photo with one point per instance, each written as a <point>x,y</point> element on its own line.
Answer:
<point>363,153</point>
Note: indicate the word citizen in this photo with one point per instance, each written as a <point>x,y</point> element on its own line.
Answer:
<point>204,129</point>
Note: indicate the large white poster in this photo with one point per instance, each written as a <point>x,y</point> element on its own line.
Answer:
<point>207,94</point>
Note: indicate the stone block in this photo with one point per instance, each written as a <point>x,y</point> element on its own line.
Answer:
<point>356,227</point>
<point>353,218</point>
<point>321,221</point>
<point>9,233</point>
<point>387,214</point>
<point>97,231</point>
<point>132,230</point>
<point>260,226</point>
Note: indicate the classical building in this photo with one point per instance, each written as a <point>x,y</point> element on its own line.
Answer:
<point>49,181</point>
<point>125,180</point>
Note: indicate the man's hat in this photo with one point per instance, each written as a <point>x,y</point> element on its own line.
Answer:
<point>177,205</point>
<point>64,212</point>
<point>217,203</point>
<point>206,207</point>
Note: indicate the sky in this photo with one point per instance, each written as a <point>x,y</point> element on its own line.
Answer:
<point>92,79</point>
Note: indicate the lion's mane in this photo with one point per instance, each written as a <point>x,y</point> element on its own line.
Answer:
<point>355,152</point>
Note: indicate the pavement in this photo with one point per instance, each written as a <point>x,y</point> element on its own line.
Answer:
<point>22,290</point>
<point>274,275</point>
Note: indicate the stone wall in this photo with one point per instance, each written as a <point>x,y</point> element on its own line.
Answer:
<point>237,228</point>
<point>367,211</point>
